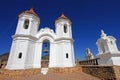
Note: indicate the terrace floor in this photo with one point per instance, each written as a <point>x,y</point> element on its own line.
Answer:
<point>52,76</point>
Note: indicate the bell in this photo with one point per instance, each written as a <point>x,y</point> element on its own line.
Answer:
<point>45,50</point>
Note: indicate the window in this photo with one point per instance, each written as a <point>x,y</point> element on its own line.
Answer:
<point>111,42</point>
<point>65,28</point>
<point>26,24</point>
<point>20,55</point>
<point>66,55</point>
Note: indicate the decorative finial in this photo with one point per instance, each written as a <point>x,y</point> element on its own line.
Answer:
<point>63,16</point>
<point>32,10</point>
<point>102,33</point>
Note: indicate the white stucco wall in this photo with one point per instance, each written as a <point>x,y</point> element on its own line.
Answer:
<point>29,42</point>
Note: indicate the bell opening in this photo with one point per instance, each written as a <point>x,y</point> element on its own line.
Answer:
<point>45,54</point>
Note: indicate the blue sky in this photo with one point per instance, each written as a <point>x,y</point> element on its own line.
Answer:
<point>88,18</point>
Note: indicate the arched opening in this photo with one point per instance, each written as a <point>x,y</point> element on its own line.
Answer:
<point>103,48</point>
<point>20,55</point>
<point>65,28</point>
<point>111,42</point>
<point>45,53</point>
<point>66,55</point>
<point>26,24</point>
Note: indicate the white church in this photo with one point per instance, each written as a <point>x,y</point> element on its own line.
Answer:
<point>27,46</point>
<point>26,50</point>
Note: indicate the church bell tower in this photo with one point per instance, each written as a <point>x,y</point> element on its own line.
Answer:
<point>64,42</point>
<point>21,54</point>
<point>63,27</point>
<point>28,23</point>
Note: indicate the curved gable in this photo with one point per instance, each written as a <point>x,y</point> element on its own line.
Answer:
<point>46,33</point>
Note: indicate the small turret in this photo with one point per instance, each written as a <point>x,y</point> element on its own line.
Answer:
<point>108,52</point>
<point>88,54</point>
<point>106,44</point>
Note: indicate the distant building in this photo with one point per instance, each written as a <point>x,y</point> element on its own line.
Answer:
<point>88,54</point>
<point>108,51</point>
<point>27,45</point>
<point>3,60</point>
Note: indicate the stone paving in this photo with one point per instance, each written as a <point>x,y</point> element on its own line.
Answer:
<point>52,76</point>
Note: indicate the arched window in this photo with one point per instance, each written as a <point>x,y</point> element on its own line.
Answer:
<point>20,55</point>
<point>26,24</point>
<point>65,28</point>
<point>66,55</point>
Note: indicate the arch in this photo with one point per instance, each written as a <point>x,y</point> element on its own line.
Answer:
<point>46,40</point>
<point>44,35</point>
<point>48,37</point>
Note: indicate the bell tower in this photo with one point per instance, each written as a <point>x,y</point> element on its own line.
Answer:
<point>28,23</point>
<point>22,49</point>
<point>64,42</point>
<point>63,27</point>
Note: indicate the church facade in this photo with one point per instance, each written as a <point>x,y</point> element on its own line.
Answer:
<point>27,45</point>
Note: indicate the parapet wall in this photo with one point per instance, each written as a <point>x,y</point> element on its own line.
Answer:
<point>103,72</point>
<point>65,70</point>
<point>117,72</point>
